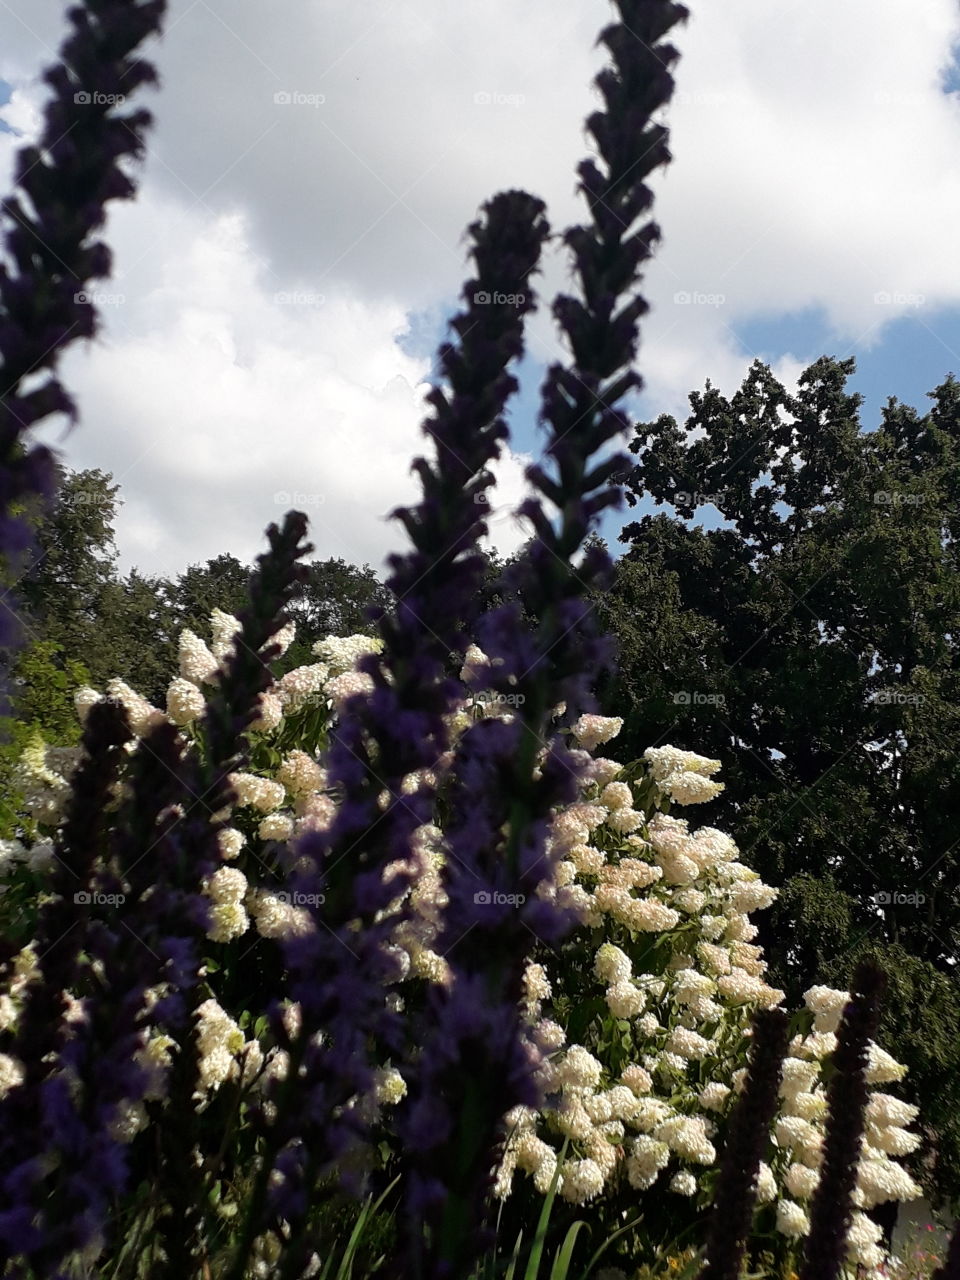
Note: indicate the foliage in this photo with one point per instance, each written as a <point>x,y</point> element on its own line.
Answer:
<point>74,596</point>
<point>43,686</point>
<point>65,182</point>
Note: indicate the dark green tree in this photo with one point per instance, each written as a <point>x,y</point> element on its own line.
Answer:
<point>74,562</point>
<point>74,596</point>
<point>221,583</point>
<point>333,601</point>
<point>42,686</point>
<point>812,643</point>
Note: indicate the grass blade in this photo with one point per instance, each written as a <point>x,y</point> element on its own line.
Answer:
<point>539,1240</point>
<point>561,1263</point>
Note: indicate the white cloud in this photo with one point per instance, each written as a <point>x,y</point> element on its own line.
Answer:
<point>22,113</point>
<point>815,166</point>
<point>218,408</point>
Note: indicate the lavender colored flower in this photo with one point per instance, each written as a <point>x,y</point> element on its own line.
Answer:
<point>28,1119</point>
<point>65,183</point>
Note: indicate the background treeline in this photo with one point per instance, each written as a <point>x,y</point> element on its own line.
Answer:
<point>84,622</point>
<point>810,642</point>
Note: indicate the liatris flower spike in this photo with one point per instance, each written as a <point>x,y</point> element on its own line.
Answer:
<point>847,1098</point>
<point>451,1126</point>
<point>397,714</point>
<point>68,178</point>
<point>748,1136</point>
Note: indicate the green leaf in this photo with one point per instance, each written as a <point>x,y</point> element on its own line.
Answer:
<point>561,1263</point>
<point>536,1251</point>
<point>606,1245</point>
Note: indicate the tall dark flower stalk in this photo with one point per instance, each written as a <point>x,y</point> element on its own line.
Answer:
<point>747,1139</point>
<point>62,932</point>
<point>65,184</point>
<point>474,1065</point>
<point>164,845</point>
<point>847,1096</point>
<point>338,972</point>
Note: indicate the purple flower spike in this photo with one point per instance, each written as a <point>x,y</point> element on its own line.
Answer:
<point>847,1097</point>
<point>495,787</point>
<point>163,846</point>
<point>65,183</point>
<point>746,1142</point>
<point>399,728</point>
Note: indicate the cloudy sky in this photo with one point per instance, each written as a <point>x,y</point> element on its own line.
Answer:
<point>286,274</point>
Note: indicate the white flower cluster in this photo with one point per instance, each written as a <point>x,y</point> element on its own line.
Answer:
<point>420,909</point>
<point>224,629</point>
<point>185,701</point>
<point>275,917</point>
<point>42,776</point>
<point>130,1117</point>
<point>301,686</point>
<point>256,792</point>
<point>342,653</point>
<point>11,1073</point>
<point>227,888</point>
<point>197,663</point>
<point>799,1132</point>
<point>340,689</point>
<point>683,775</point>
<point>590,731</point>
<point>301,774</point>
<point>141,714</point>
<point>638,876</point>
<point>658,1120</point>
<point>223,1048</point>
